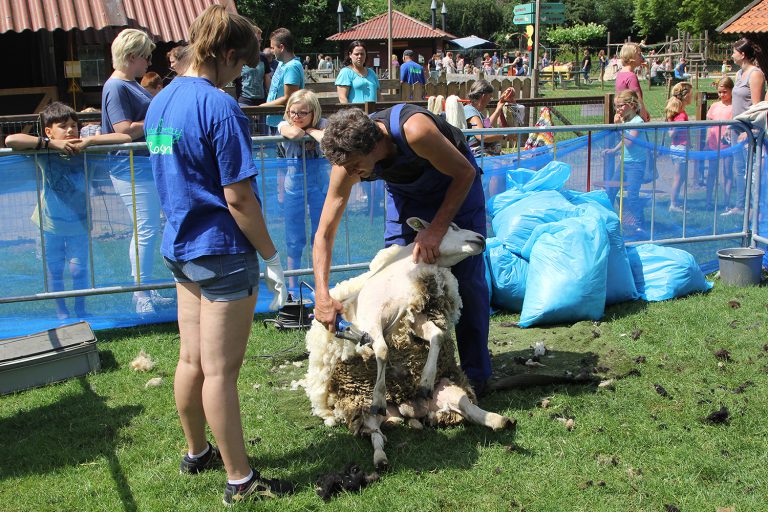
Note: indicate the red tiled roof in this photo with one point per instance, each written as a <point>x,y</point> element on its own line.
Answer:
<point>164,20</point>
<point>752,19</point>
<point>43,15</point>
<point>403,27</point>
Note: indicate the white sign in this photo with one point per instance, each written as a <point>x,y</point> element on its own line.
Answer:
<point>376,62</point>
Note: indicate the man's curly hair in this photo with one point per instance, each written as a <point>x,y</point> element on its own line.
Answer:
<point>349,132</point>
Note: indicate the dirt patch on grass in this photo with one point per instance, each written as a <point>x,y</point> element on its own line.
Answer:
<point>577,353</point>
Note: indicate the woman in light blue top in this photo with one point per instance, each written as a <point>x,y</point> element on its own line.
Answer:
<point>355,82</point>
<point>635,162</point>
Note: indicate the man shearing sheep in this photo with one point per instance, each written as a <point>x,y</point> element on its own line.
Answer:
<point>430,173</point>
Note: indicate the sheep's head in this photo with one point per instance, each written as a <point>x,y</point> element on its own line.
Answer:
<point>457,244</point>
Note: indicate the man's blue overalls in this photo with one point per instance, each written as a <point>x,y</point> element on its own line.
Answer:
<point>422,198</point>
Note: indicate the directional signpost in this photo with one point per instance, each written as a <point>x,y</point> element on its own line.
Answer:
<point>524,19</point>
<point>525,9</point>
<point>552,8</point>
<point>552,19</point>
<point>549,14</point>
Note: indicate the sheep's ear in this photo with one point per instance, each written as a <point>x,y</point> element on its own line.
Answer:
<point>417,224</point>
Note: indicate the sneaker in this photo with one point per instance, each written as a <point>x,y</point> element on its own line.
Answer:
<point>676,209</point>
<point>144,305</point>
<point>159,300</point>
<point>210,460</point>
<point>256,488</point>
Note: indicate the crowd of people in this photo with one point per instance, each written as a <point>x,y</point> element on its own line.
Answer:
<point>735,96</point>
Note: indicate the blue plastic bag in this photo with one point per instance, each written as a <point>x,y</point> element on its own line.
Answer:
<point>663,273</point>
<point>514,225</point>
<point>508,273</point>
<point>620,285</point>
<point>567,272</point>
<point>595,196</point>
<point>550,177</point>
<point>521,182</point>
<point>496,204</point>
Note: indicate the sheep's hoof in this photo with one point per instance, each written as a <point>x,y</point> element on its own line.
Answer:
<point>382,464</point>
<point>424,392</point>
<point>507,424</point>
<point>378,410</point>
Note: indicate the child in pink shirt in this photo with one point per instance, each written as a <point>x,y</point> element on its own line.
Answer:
<point>682,94</point>
<point>718,137</point>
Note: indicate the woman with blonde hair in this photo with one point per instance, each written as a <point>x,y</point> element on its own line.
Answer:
<point>303,116</point>
<point>674,112</point>
<point>201,153</point>
<point>719,138</point>
<point>626,78</point>
<point>634,162</point>
<point>124,104</point>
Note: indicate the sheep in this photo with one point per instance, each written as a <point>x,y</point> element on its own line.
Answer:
<point>408,309</point>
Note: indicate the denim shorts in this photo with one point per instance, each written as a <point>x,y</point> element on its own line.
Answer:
<point>679,156</point>
<point>222,277</point>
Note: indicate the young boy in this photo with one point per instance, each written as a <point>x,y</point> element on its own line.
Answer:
<point>62,214</point>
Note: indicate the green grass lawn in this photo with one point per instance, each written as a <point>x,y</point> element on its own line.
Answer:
<point>104,442</point>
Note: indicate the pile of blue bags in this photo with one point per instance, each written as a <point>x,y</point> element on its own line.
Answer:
<point>558,256</point>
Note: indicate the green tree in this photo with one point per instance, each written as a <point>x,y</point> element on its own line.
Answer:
<point>696,17</point>
<point>656,18</point>
<point>577,36</point>
<point>482,18</point>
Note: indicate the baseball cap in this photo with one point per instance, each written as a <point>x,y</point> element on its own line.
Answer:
<point>408,53</point>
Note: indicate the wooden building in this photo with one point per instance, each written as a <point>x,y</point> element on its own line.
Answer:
<point>752,23</point>
<point>407,33</point>
<point>47,44</point>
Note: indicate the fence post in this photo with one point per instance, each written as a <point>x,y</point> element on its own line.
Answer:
<point>608,111</point>
<point>701,106</point>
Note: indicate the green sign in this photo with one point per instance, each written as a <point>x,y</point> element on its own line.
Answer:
<point>524,9</point>
<point>552,19</point>
<point>524,19</point>
<point>551,8</point>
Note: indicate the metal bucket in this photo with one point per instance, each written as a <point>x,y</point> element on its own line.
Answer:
<point>741,266</point>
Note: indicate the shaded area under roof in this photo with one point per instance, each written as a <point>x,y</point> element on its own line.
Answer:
<point>403,27</point>
<point>163,20</point>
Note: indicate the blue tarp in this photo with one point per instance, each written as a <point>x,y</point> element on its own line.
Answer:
<point>360,234</point>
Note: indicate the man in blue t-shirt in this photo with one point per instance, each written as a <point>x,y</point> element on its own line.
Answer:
<point>680,70</point>
<point>287,78</point>
<point>410,71</point>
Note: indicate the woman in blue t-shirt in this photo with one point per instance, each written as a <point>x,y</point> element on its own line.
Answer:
<point>124,104</point>
<point>201,154</point>
<point>355,82</point>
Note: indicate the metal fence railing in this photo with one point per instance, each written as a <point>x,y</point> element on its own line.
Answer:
<point>699,225</point>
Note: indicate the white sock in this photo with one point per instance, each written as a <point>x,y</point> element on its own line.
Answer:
<point>208,447</point>
<point>242,480</point>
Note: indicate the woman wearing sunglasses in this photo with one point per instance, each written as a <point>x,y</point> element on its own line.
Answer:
<point>303,116</point>
<point>124,104</point>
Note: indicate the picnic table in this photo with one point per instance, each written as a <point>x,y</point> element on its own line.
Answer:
<point>559,74</point>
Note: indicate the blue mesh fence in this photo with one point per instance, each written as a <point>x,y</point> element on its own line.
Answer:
<point>293,190</point>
